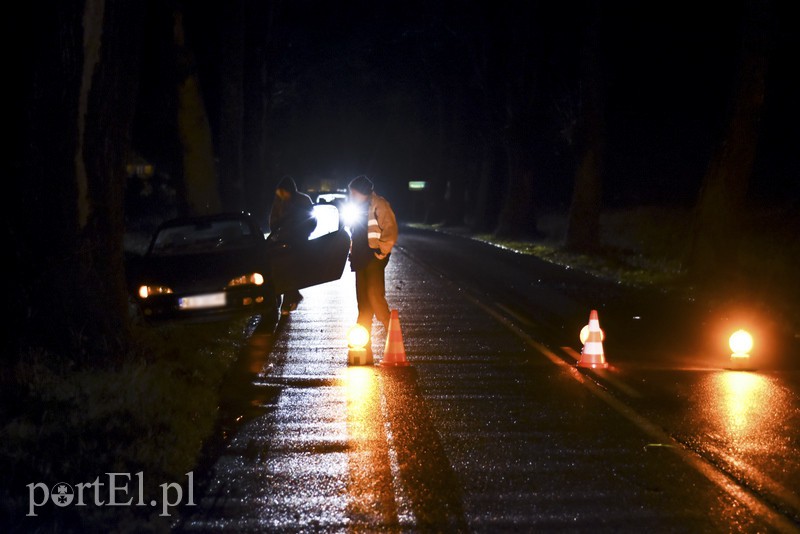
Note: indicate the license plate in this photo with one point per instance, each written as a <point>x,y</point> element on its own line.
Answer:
<point>210,300</point>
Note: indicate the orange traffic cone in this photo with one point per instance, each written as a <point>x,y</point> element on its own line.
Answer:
<point>592,353</point>
<point>394,353</point>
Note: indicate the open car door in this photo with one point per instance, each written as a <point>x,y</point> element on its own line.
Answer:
<point>319,260</point>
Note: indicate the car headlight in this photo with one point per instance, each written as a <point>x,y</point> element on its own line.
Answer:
<point>246,279</point>
<point>146,291</point>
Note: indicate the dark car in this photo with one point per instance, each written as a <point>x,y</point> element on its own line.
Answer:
<point>222,265</point>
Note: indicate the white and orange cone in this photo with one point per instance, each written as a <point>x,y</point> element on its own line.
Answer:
<point>394,353</point>
<point>592,354</point>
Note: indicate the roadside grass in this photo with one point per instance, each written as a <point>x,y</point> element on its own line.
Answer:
<point>150,411</point>
<point>644,247</point>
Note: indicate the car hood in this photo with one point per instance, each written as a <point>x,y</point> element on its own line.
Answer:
<point>197,272</point>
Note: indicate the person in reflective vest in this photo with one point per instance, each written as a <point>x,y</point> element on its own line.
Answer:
<point>373,235</point>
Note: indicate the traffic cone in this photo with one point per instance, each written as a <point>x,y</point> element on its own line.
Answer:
<point>592,353</point>
<point>394,353</point>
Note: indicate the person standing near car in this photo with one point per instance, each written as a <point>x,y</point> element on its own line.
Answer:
<point>373,235</point>
<point>291,221</point>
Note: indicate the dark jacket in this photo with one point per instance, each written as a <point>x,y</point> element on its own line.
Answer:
<point>292,220</point>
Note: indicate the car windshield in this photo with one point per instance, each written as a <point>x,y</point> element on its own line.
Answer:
<point>211,236</point>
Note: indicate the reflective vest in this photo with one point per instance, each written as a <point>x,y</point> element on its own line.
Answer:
<point>381,225</point>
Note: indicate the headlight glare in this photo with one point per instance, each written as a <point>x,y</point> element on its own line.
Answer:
<point>146,290</point>
<point>246,279</point>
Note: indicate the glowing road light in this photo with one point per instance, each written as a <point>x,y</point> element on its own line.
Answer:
<point>359,352</point>
<point>741,343</point>
<point>357,337</point>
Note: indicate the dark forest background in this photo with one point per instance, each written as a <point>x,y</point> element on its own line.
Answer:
<point>125,113</point>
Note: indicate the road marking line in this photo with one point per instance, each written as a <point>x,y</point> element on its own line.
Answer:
<point>514,314</point>
<point>719,478</point>
<point>773,486</point>
<point>694,460</point>
<point>605,375</point>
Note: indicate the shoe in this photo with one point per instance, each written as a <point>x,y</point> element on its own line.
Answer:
<point>286,309</point>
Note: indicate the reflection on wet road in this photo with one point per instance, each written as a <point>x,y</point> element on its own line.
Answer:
<point>749,421</point>
<point>485,432</point>
<point>371,499</point>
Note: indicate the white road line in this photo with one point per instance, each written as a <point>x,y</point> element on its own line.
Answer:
<point>700,464</point>
<point>777,520</point>
<point>606,376</point>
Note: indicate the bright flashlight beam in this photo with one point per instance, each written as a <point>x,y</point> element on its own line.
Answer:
<point>350,213</point>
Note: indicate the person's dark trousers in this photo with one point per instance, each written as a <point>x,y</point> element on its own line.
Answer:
<point>371,293</point>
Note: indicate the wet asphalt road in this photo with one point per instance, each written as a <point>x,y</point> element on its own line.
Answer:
<point>491,427</point>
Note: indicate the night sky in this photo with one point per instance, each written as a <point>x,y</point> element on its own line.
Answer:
<point>353,92</point>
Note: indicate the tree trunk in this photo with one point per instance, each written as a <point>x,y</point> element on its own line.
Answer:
<point>259,21</point>
<point>521,57</point>
<point>494,162</point>
<point>492,176</point>
<point>201,186</point>
<point>112,51</point>
<point>583,232</point>
<point>67,227</point>
<point>231,124</point>
<point>583,226</point>
<point>518,217</point>
<point>718,215</point>
<point>44,220</point>
<point>456,158</point>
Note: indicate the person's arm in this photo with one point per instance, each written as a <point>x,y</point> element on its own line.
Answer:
<point>274,217</point>
<point>388,225</point>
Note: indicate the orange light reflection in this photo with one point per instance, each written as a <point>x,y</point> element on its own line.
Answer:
<point>744,402</point>
<point>369,487</point>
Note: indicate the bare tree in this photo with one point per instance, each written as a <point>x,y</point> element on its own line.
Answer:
<point>231,122</point>
<point>492,166</point>
<point>583,225</point>
<point>720,206</point>
<point>67,227</point>
<point>200,181</point>
<point>257,90</point>
<point>521,69</point>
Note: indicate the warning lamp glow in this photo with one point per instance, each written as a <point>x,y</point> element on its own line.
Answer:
<point>741,343</point>
<point>357,337</point>
<point>585,334</point>
<point>359,350</point>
